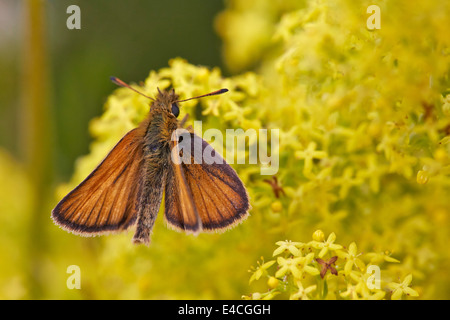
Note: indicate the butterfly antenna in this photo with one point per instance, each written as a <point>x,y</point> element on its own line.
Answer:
<point>123,84</point>
<point>206,95</point>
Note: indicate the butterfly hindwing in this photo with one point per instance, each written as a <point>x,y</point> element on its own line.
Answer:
<point>106,200</point>
<point>218,194</point>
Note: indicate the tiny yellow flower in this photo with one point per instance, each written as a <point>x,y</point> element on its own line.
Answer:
<point>291,265</point>
<point>402,288</point>
<point>309,154</point>
<point>327,245</point>
<point>352,258</point>
<point>260,270</point>
<point>347,181</point>
<point>288,245</point>
<point>305,265</point>
<point>378,257</point>
<point>302,293</point>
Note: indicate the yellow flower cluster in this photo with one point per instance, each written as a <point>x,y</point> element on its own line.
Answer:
<point>364,130</point>
<point>322,269</point>
<point>364,125</point>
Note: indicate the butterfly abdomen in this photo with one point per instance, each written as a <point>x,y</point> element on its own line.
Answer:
<point>153,176</point>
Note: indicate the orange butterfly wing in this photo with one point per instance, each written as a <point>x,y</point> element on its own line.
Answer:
<point>219,196</point>
<point>105,201</point>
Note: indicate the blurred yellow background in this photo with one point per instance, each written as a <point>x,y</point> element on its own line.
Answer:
<point>364,120</point>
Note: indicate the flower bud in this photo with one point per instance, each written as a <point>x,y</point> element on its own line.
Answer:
<point>422,177</point>
<point>318,235</point>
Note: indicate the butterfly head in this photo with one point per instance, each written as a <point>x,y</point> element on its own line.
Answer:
<point>167,100</point>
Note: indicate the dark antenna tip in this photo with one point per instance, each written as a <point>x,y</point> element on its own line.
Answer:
<point>220,91</point>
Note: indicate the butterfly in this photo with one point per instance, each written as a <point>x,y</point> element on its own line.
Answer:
<point>126,189</point>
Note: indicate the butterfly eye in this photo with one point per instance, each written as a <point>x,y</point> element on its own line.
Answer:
<point>175,109</point>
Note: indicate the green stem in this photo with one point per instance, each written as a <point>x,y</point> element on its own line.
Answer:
<point>35,135</point>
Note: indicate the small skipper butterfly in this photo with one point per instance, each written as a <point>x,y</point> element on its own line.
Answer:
<point>126,188</point>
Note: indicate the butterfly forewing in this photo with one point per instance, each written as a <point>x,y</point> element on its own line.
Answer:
<point>106,200</point>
